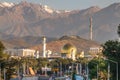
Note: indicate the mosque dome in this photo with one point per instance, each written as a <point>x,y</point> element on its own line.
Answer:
<point>68,48</point>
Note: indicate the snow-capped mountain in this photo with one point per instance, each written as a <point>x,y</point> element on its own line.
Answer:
<point>6,4</point>
<point>43,7</point>
<point>48,9</point>
<point>29,19</point>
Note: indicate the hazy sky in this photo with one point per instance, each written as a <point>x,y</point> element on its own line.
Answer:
<point>69,4</point>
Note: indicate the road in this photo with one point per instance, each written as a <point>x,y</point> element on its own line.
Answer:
<point>33,78</point>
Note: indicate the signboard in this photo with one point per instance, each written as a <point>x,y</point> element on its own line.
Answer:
<point>46,69</point>
<point>55,69</point>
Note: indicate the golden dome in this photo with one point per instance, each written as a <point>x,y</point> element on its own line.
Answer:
<point>68,49</point>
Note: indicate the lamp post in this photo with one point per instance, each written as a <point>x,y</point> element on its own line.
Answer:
<point>60,68</point>
<point>77,67</point>
<point>87,72</point>
<point>46,70</point>
<point>97,71</point>
<point>108,71</point>
<point>80,69</point>
<point>77,71</point>
<point>4,74</point>
<point>116,68</point>
<point>109,68</point>
<point>18,71</point>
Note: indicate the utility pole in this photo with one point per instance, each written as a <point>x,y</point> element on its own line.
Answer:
<point>77,69</point>
<point>61,68</point>
<point>4,74</point>
<point>46,70</point>
<point>18,72</point>
<point>97,72</point>
<point>117,70</point>
<point>108,71</point>
<point>87,72</point>
<point>80,69</point>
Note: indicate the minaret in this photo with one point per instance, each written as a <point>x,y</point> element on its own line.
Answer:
<point>44,46</point>
<point>91,31</point>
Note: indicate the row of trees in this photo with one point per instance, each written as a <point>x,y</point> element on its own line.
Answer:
<point>12,66</point>
<point>111,50</point>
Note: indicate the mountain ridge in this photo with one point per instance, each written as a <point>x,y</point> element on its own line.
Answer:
<point>56,45</point>
<point>29,19</point>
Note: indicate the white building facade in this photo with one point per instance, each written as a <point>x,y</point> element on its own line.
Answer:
<point>95,50</point>
<point>21,52</point>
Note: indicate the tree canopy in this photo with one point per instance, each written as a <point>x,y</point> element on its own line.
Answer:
<point>2,54</point>
<point>111,49</point>
<point>118,31</point>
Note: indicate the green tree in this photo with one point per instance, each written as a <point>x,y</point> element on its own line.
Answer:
<point>33,63</point>
<point>61,63</point>
<point>82,60</point>
<point>1,47</point>
<point>2,54</point>
<point>42,62</point>
<point>28,62</point>
<point>102,68</point>
<point>3,58</point>
<point>111,50</point>
<point>11,66</point>
<point>118,31</point>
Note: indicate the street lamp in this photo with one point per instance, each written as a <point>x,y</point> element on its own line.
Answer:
<point>87,72</point>
<point>18,71</point>
<point>77,66</point>
<point>109,68</point>
<point>61,68</point>
<point>46,70</point>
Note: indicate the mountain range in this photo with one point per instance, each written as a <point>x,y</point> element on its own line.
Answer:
<point>30,19</point>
